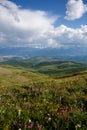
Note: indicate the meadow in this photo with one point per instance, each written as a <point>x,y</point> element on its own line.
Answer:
<point>36,101</point>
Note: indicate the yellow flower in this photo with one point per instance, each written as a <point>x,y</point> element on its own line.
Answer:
<point>19,112</point>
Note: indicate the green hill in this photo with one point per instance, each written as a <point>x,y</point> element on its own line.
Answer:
<point>30,100</point>
<point>48,66</point>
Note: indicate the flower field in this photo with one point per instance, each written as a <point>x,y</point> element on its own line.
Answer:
<point>49,105</point>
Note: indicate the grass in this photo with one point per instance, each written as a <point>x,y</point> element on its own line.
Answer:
<point>50,67</point>
<point>31,100</point>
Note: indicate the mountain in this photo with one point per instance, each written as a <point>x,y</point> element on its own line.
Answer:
<point>32,52</point>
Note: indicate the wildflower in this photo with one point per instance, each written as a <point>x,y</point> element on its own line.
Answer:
<point>39,127</point>
<point>19,129</point>
<point>19,125</point>
<point>25,126</point>
<point>62,113</point>
<point>29,106</point>
<point>49,118</point>
<point>29,120</point>
<point>30,126</point>
<point>24,99</point>
<point>70,109</point>
<point>78,125</point>
<point>44,100</point>
<point>19,112</point>
<point>48,114</point>
<point>67,118</point>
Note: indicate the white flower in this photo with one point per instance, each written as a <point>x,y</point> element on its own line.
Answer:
<point>79,125</point>
<point>49,118</point>
<point>29,120</point>
<point>19,129</point>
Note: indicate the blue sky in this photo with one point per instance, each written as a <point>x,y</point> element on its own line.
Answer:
<point>43,23</point>
<point>55,7</point>
<point>48,5</point>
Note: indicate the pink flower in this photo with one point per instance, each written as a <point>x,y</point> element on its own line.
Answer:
<point>39,127</point>
<point>30,126</point>
<point>25,126</point>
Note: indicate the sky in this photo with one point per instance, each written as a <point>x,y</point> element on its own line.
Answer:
<point>43,23</point>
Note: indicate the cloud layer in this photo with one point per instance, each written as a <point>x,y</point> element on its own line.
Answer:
<point>23,27</point>
<point>75,9</point>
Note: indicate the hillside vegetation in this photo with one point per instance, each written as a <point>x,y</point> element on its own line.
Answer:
<point>48,66</point>
<point>33,100</point>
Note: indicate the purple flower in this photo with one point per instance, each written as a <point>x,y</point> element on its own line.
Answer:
<point>29,106</point>
<point>30,126</point>
<point>19,125</point>
<point>62,113</point>
<point>67,118</point>
<point>70,109</point>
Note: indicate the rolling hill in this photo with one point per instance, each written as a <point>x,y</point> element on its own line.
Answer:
<point>30,99</point>
<point>49,66</point>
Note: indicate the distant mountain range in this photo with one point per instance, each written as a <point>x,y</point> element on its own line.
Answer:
<point>74,54</point>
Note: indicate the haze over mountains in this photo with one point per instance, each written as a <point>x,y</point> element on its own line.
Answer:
<point>27,51</point>
<point>75,54</point>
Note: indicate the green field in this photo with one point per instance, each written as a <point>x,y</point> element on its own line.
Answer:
<point>48,66</point>
<point>43,95</point>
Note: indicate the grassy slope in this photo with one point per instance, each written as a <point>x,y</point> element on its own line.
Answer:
<point>48,97</point>
<point>10,76</point>
<point>49,66</point>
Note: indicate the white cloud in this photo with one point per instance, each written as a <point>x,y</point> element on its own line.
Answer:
<point>23,27</point>
<point>75,9</point>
